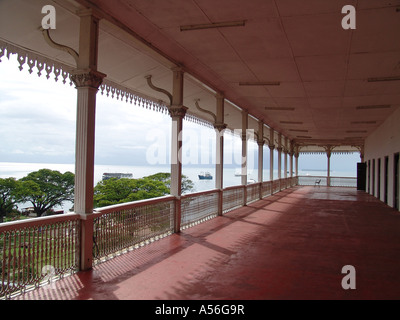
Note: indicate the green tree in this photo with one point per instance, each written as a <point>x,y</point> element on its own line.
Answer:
<point>10,195</point>
<point>165,177</point>
<point>114,191</point>
<point>47,188</point>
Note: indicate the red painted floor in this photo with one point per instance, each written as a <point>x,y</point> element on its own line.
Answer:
<point>291,245</point>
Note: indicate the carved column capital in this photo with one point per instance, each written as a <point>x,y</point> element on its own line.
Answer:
<point>177,111</point>
<point>220,126</point>
<point>87,78</point>
<point>260,142</point>
<point>271,147</point>
<point>329,150</point>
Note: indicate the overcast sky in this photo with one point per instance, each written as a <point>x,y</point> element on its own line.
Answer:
<point>38,122</point>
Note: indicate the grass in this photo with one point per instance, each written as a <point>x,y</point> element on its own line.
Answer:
<point>24,253</point>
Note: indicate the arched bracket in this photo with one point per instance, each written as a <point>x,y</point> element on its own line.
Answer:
<point>259,139</point>
<point>328,150</point>
<point>58,46</point>
<point>196,101</point>
<point>152,86</point>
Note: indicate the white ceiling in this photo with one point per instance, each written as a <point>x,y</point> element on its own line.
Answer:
<point>322,69</point>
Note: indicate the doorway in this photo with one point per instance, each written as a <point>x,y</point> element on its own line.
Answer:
<point>386,182</point>
<point>373,177</point>
<point>378,190</point>
<point>396,182</point>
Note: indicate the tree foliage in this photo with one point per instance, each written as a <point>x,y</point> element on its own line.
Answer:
<point>114,191</point>
<point>10,195</point>
<point>165,177</point>
<point>47,188</point>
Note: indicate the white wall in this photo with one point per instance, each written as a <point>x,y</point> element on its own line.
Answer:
<point>384,141</point>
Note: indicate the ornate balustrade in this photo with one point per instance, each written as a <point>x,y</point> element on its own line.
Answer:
<point>232,198</point>
<point>199,207</point>
<point>34,251</point>
<point>323,181</point>
<point>119,228</point>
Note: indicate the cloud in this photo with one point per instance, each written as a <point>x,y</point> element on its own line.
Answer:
<point>37,117</point>
<point>38,121</point>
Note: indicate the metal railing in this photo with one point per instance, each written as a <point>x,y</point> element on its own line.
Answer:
<point>118,228</point>
<point>343,182</point>
<point>266,189</point>
<point>253,192</point>
<point>232,198</point>
<point>35,251</point>
<point>324,181</point>
<point>276,186</point>
<point>198,207</point>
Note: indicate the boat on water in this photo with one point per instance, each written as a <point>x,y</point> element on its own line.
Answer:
<point>116,175</point>
<point>205,176</point>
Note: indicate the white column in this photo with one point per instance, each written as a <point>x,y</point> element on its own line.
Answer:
<point>260,142</point>
<point>279,156</point>
<point>271,162</point>
<point>177,112</point>
<point>245,121</point>
<point>219,127</point>
<point>328,154</point>
<point>271,154</point>
<point>291,159</point>
<point>279,162</point>
<point>87,81</point>
<point>244,146</point>
<point>285,154</point>
<point>279,159</point>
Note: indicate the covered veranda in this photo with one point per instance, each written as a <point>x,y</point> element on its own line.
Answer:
<point>285,75</point>
<point>292,245</point>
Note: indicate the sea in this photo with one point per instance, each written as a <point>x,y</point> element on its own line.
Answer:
<point>231,178</point>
